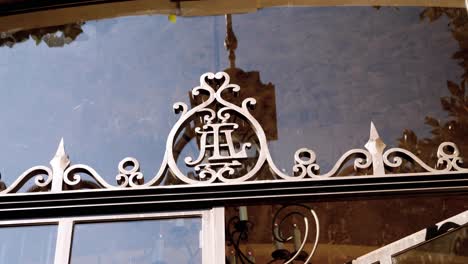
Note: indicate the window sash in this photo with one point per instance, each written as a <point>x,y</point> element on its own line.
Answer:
<point>211,241</point>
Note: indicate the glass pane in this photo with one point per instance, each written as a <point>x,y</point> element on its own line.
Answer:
<point>161,241</point>
<point>320,76</point>
<point>28,244</point>
<point>451,248</point>
<point>347,229</point>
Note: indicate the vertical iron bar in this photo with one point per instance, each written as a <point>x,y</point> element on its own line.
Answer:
<point>64,241</point>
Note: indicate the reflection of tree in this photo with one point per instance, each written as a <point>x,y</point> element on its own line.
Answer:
<point>456,105</point>
<point>458,25</point>
<point>2,184</point>
<point>454,129</point>
<point>55,36</point>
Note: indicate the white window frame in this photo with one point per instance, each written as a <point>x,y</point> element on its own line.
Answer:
<point>211,240</point>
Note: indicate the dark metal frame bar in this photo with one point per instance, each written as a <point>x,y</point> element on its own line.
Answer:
<point>27,6</point>
<point>171,198</point>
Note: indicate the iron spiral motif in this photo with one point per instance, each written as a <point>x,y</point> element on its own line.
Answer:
<point>308,216</point>
<point>238,230</point>
<point>219,159</point>
<point>447,153</point>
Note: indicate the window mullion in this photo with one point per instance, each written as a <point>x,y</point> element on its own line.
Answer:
<point>64,237</point>
<point>213,249</point>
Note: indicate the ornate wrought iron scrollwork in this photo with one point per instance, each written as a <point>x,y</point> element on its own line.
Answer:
<point>308,216</point>
<point>36,172</point>
<point>447,153</point>
<point>129,177</point>
<point>226,157</point>
<point>238,230</point>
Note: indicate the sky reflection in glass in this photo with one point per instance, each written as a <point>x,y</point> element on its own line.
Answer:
<point>110,92</point>
<point>161,241</point>
<point>28,244</point>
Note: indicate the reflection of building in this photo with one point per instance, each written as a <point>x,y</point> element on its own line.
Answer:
<point>252,86</point>
<point>264,94</point>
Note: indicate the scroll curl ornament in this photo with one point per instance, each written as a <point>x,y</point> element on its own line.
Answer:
<point>126,178</point>
<point>72,177</point>
<point>238,230</point>
<point>129,177</point>
<point>308,216</point>
<point>216,120</point>
<point>304,160</point>
<point>448,159</point>
<point>210,171</point>
<point>219,167</point>
<point>306,166</point>
<point>42,178</point>
<point>449,155</point>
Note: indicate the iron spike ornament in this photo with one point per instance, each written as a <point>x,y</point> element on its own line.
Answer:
<point>376,147</point>
<point>223,157</point>
<point>59,163</point>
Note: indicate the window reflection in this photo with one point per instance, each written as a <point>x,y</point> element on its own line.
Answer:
<point>451,248</point>
<point>348,229</point>
<point>28,244</point>
<point>161,241</point>
<point>110,96</point>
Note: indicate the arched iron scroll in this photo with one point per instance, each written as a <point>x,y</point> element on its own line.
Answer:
<point>307,216</point>
<point>301,219</point>
<point>223,158</point>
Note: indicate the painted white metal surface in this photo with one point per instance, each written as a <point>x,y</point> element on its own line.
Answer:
<point>384,254</point>
<point>223,159</point>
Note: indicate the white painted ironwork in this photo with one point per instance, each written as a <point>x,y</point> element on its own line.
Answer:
<point>59,163</point>
<point>64,241</point>
<point>385,254</point>
<point>222,158</point>
<point>308,216</point>
<point>239,228</point>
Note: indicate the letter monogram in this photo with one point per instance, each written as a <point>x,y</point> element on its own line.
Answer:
<point>220,157</point>
<point>218,133</point>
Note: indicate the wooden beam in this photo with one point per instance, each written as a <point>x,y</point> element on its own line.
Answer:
<point>304,3</point>
<point>61,16</point>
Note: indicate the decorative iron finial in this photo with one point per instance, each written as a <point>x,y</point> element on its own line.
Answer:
<point>233,164</point>
<point>59,163</point>
<point>376,147</point>
<point>230,42</point>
